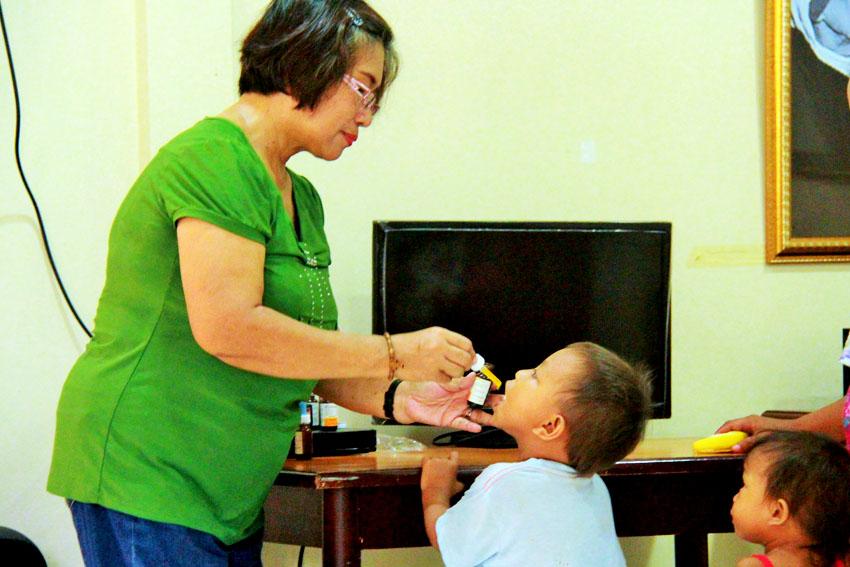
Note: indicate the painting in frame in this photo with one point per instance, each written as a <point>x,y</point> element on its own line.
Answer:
<point>807,131</point>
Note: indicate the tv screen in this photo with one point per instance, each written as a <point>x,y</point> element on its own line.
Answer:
<point>523,290</point>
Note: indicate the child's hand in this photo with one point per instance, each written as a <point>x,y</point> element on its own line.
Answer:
<point>439,477</point>
<point>439,483</point>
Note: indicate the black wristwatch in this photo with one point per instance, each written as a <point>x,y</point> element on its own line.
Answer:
<point>389,399</point>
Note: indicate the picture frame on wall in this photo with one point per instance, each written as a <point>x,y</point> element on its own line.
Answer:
<point>807,131</point>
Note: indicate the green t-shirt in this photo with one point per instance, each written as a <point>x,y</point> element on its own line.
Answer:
<point>148,423</point>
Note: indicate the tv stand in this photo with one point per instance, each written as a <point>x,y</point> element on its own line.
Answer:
<point>340,503</point>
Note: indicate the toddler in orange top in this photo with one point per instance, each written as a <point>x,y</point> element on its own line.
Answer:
<point>795,501</point>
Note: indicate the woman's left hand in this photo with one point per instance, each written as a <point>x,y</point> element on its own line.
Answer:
<point>443,404</point>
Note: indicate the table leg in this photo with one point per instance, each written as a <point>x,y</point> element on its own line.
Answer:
<point>691,549</point>
<point>341,541</point>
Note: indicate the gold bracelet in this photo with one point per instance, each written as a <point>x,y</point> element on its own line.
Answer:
<point>395,363</point>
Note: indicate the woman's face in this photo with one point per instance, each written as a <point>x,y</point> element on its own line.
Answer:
<point>335,122</point>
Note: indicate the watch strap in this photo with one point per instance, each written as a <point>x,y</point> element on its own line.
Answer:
<point>389,399</point>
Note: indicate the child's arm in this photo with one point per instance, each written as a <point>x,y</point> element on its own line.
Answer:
<point>439,483</point>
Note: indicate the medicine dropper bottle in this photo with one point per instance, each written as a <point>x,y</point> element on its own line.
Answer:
<point>304,436</point>
<point>484,381</point>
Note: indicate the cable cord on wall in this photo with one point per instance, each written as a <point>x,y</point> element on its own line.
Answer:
<point>24,179</point>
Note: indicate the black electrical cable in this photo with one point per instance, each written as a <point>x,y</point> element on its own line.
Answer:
<point>24,179</point>
<point>35,204</point>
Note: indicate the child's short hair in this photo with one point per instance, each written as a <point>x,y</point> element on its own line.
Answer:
<point>811,472</point>
<point>607,411</point>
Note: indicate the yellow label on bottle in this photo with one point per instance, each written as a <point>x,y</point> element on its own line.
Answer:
<point>492,377</point>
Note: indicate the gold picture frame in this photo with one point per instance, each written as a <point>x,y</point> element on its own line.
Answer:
<point>788,199</point>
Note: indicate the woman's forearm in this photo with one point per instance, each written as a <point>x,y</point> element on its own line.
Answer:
<point>223,284</point>
<point>828,420</point>
<point>265,341</point>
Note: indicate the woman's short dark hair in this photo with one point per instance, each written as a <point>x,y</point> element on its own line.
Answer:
<point>607,409</point>
<point>811,472</point>
<point>304,47</point>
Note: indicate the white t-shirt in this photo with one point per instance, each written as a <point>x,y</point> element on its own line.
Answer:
<point>536,513</point>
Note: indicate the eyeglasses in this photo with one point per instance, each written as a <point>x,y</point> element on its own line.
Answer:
<point>367,95</point>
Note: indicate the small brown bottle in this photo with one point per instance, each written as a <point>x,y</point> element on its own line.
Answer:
<point>304,436</point>
<point>484,381</point>
<point>313,409</point>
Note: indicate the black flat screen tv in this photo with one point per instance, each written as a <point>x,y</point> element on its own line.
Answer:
<point>523,290</point>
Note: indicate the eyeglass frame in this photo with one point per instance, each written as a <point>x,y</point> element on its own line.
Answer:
<point>367,96</point>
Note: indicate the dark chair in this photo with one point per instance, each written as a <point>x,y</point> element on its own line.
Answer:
<point>15,545</point>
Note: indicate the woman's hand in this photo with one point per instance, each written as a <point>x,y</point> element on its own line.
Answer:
<point>442,404</point>
<point>752,425</point>
<point>828,420</point>
<point>433,354</point>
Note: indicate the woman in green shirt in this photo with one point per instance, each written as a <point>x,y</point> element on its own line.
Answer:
<point>217,314</point>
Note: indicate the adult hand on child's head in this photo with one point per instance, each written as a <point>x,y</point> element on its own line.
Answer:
<point>753,425</point>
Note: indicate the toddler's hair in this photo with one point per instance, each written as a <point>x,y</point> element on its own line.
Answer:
<point>607,410</point>
<point>811,472</point>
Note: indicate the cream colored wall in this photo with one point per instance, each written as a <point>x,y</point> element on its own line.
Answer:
<point>486,121</point>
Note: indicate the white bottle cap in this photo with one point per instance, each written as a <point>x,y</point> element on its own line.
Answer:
<point>478,364</point>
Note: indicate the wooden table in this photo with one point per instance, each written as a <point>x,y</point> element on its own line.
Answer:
<point>372,501</point>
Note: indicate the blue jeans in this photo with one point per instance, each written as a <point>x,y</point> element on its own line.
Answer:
<point>113,539</point>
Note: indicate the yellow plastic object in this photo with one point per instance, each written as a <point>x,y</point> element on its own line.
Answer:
<point>720,443</point>
<point>492,377</point>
